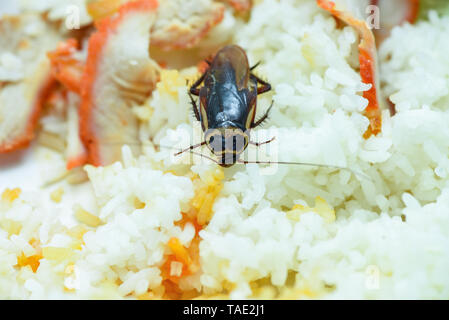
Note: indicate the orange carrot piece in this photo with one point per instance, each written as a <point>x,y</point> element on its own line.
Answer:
<point>179,251</point>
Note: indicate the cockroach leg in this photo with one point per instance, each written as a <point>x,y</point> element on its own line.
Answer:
<point>265,85</point>
<point>194,88</point>
<point>264,117</point>
<point>191,148</point>
<point>258,144</point>
<point>195,108</point>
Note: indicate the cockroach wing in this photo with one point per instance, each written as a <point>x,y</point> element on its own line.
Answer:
<point>251,102</point>
<point>232,61</point>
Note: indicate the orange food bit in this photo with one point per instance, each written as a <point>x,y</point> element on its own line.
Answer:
<point>172,290</point>
<point>99,9</point>
<point>138,204</point>
<point>179,251</point>
<point>64,67</point>
<point>240,5</point>
<point>188,257</point>
<point>206,195</point>
<point>32,261</point>
<point>76,161</point>
<point>147,296</point>
<point>199,214</point>
<point>11,195</point>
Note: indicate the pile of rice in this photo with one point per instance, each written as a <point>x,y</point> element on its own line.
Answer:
<point>283,232</point>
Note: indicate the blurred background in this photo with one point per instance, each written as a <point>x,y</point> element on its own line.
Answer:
<point>8,7</point>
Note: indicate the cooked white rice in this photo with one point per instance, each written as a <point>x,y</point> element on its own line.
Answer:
<point>381,236</point>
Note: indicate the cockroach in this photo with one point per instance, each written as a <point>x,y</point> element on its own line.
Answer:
<point>227,110</point>
<point>228,102</point>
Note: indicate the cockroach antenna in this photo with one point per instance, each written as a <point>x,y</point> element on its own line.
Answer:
<point>240,161</point>
<point>357,173</point>
<point>309,164</point>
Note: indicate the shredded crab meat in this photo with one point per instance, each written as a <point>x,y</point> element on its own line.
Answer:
<point>26,38</point>
<point>182,24</point>
<point>119,74</point>
<point>351,12</point>
<point>76,153</point>
<point>66,67</point>
<point>179,24</point>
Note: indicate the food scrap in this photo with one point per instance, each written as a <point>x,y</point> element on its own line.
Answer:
<point>117,79</point>
<point>10,195</point>
<point>240,5</point>
<point>350,14</point>
<point>322,208</point>
<point>182,24</point>
<point>65,66</point>
<point>25,87</point>
<point>32,260</point>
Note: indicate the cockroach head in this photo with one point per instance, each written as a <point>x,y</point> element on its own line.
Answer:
<point>226,141</point>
